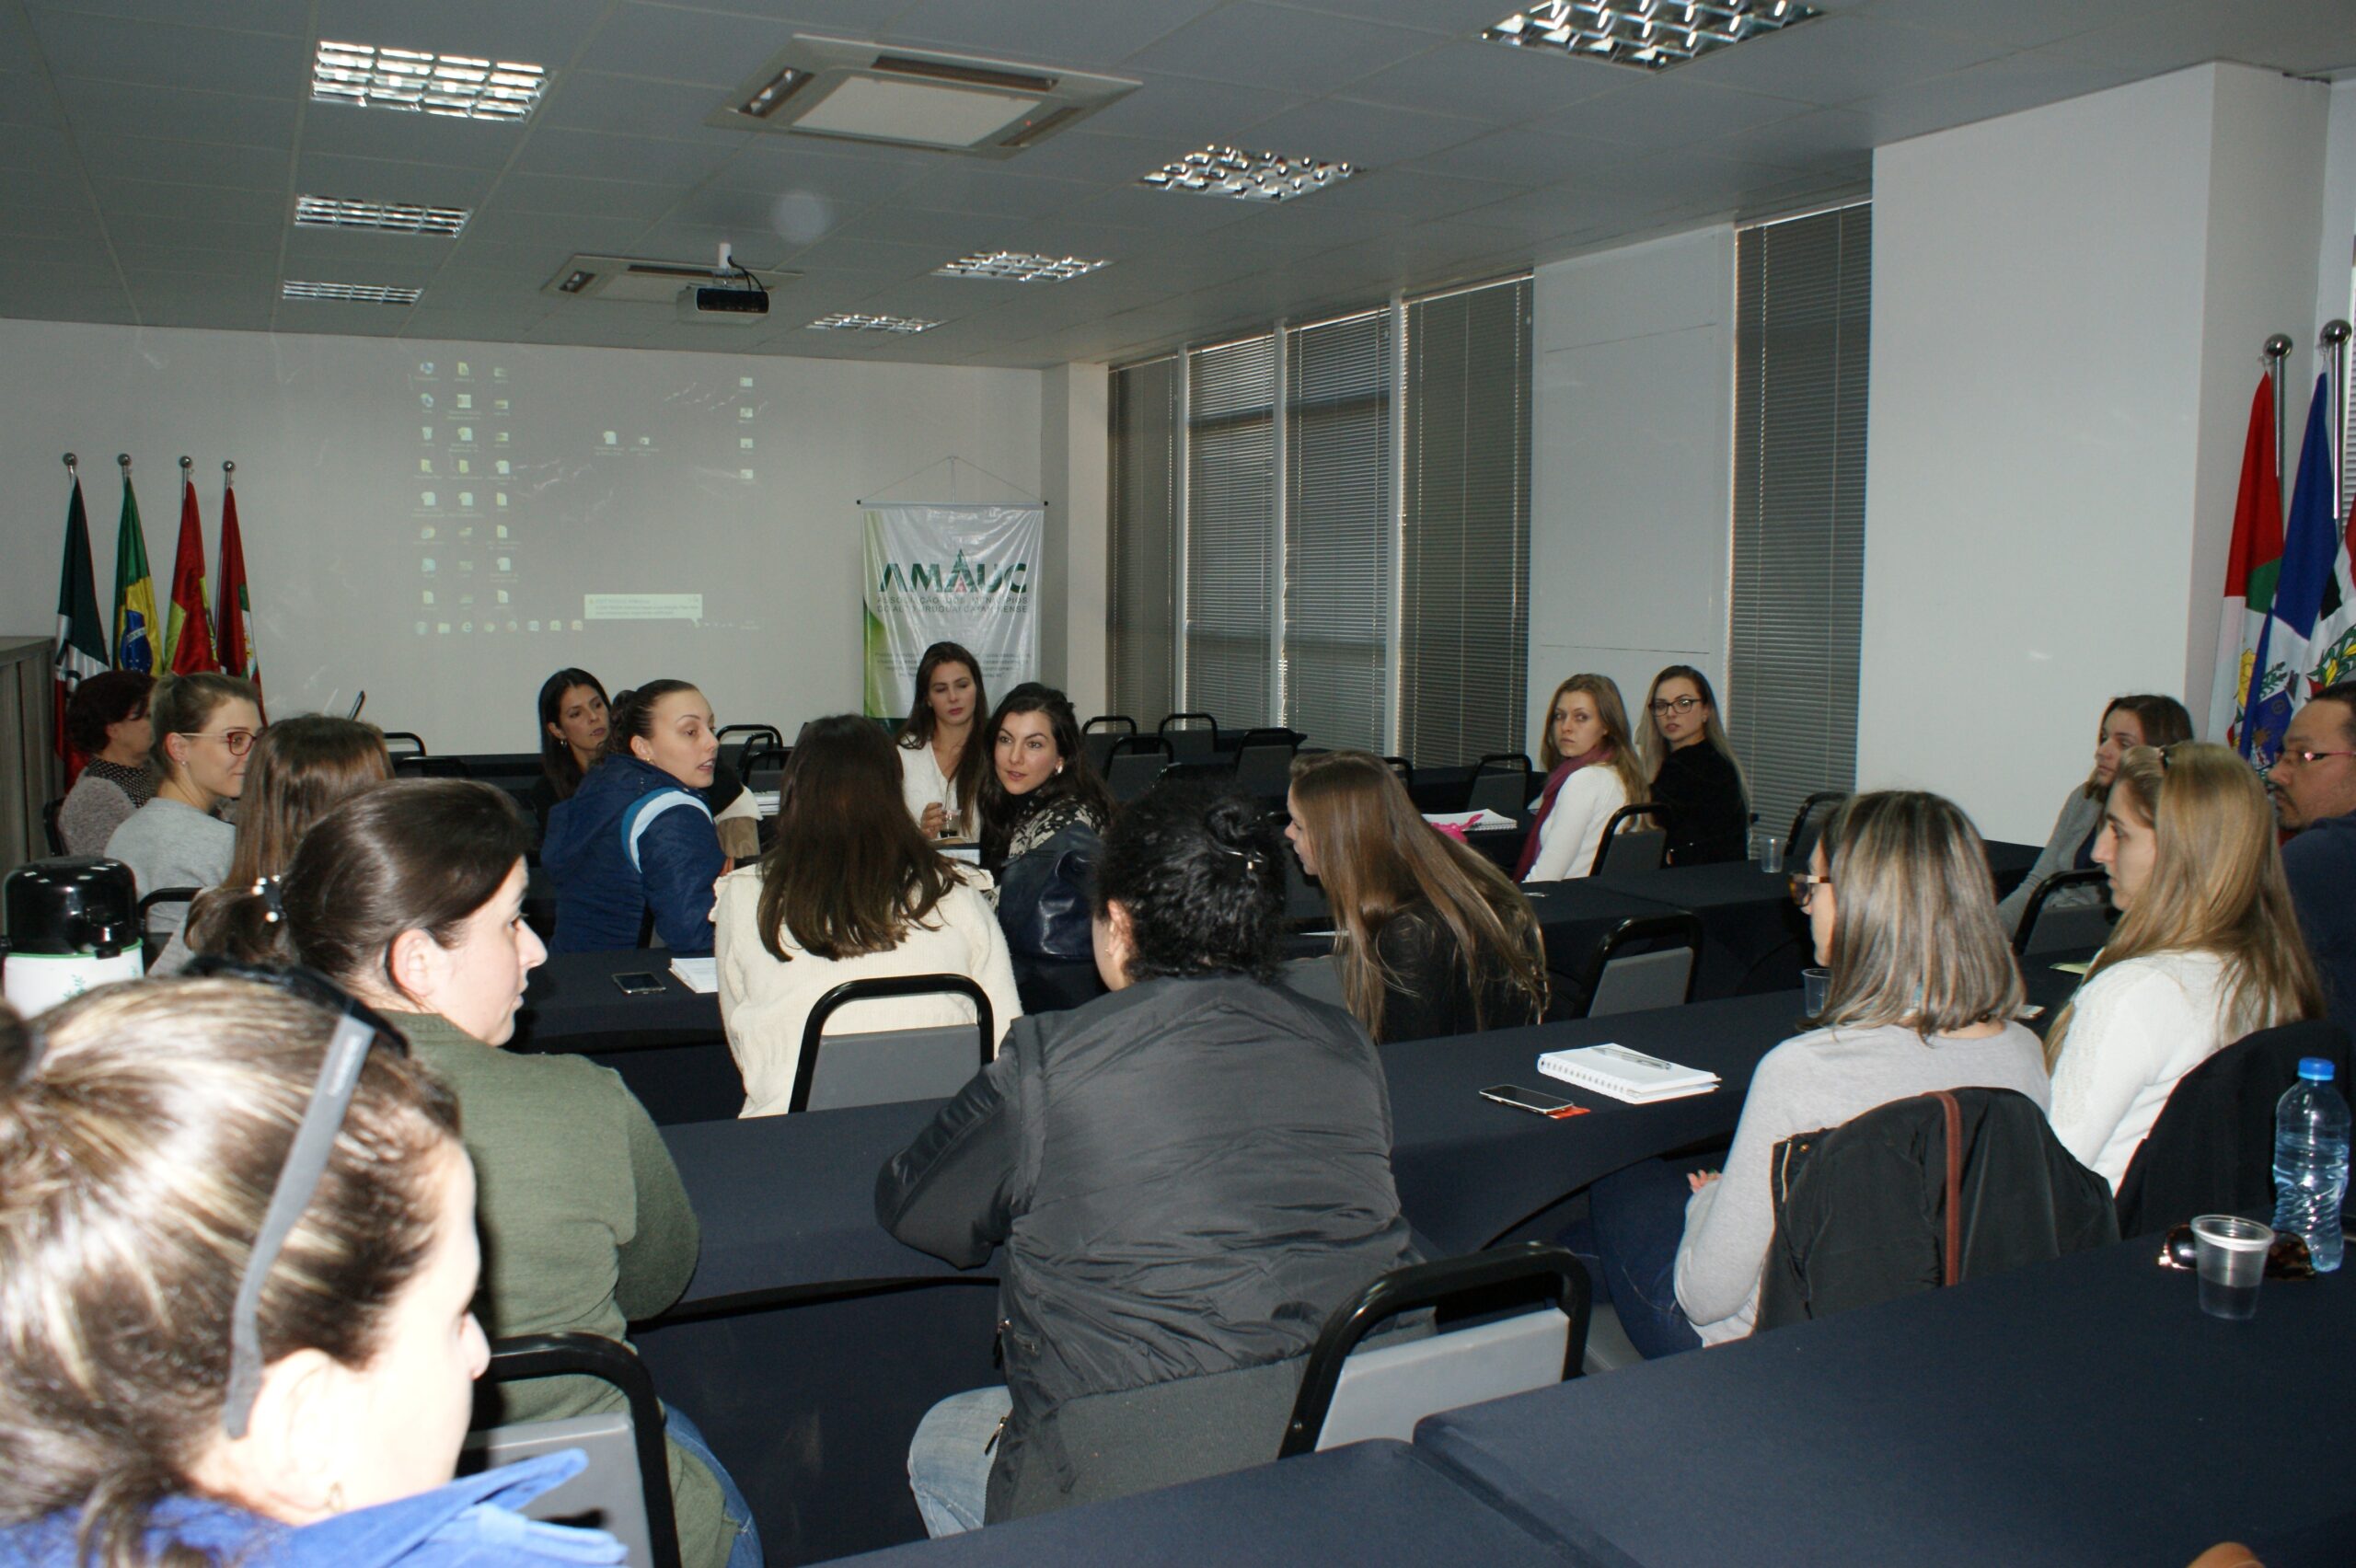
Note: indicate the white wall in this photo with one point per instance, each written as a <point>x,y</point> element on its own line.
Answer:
<point>1631,474</point>
<point>1075,450</point>
<point>2336,250</point>
<point>326,436</point>
<point>2068,305</point>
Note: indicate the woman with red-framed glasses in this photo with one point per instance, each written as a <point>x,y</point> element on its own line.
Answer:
<point>206,726</point>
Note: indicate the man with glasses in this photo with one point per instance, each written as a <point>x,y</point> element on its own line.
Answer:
<point>2313,782</point>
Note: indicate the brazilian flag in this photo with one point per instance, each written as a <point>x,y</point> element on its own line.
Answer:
<point>134,590</point>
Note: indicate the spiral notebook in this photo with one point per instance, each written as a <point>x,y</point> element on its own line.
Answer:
<point>1626,1075</point>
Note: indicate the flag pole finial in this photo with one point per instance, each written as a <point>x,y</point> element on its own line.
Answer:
<point>124,458</point>
<point>2278,345</point>
<point>228,468</point>
<point>187,463</point>
<point>73,464</point>
<point>2335,332</point>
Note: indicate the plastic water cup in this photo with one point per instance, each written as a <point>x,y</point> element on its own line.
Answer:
<point>2229,1253</point>
<point>1816,989</point>
<point>1771,855</point>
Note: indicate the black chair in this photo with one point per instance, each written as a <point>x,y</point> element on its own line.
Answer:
<point>1263,763</point>
<point>752,736</point>
<point>1136,761</point>
<point>883,1067</point>
<point>1189,738</point>
<point>1500,784</point>
<point>764,765</point>
<point>2069,926</point>
<point>626,1490</point>
<point>50,829</point>
<point>1806,824</point>
<point>1403,768</point>
<point>1348,1395</point>
<point>404,742</point>
<point>1645,848</point>
<point>1098,743</point>
<point>1612,981</point>
<point>416,765</point>
<point>2212,1151</point>
<point>151,943</point>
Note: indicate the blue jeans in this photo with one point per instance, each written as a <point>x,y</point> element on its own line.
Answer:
<point>950,1458</point>
<point>1635,1218</point>
<point>745,1551</point>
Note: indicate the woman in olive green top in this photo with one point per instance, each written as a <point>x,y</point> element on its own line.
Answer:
<point>410,895</point>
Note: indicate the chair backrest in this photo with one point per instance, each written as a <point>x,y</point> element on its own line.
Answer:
<point>626,1490</point>
<point>1403,768</point>
<point>886,1065</point>
<point>151,943</point>
<point>1501,789</point>
<point>404,742</point>
<point>1190,734</point>
<point>1263,763</point>
<point>1098,743</point>
<point>1348,1395</point>
<point>746,736</point>
<point>1614,981</point>
<point>1137,762</point>
<point>49,830</point>
<point>416,765</point>
<point>2058,918</point>
<point>1807,823</point>
<point>1641,848</point>
<point>763,764</point>
<point>2211,1151</point>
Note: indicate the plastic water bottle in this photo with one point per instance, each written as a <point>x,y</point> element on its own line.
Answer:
<point>2311,1160</point>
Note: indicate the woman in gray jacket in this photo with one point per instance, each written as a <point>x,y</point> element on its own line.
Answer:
<point>2142,720</point>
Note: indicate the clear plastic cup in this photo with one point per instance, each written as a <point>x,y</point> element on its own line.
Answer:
<point>2229,1253</point>
<point>1771,855</point>
<point>1816,988</point>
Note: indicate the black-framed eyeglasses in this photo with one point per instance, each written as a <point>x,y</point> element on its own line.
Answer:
<point>1674,704</point>
<point>358,1029</point>
<point>1804,886</point>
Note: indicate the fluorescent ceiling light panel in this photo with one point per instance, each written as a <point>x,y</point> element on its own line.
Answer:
<point>458,85</point>
<point>364,294</point>
<point>1650,35</point>
<point>1248,177</point>
<point>396,217</point>
<point>1016,267</point>
<point>852,321</point>
<point>875,108</point>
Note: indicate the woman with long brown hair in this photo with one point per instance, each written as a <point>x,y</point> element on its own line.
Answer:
<point>2206,951</point>
<point>2136,720</point>
<point>849,889</point>
<point>940,768</point>
<point>1431,939</point>
<point>1591,772</point>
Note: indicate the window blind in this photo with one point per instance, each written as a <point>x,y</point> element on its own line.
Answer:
<point>1230,530</point>
<point>1464,567</point>
<point>1142,636</point>
<point>1801,313</point>
<point>1339,529</point>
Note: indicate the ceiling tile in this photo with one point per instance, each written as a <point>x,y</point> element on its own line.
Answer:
<point>118,49</point>
<point>971,187</point>
<point>1837,58</point>
<point>1081,34</point>
<point>62,294</point>
<point>33,148</point>
<point>1190,110</point>
<point>881,260</point>
<point>704,47</point>
<point>250,265</point>
<point>2000,86</point>
<point>346,131</point>
<point>402,258</point>
<point>804,166</point>
<point>1667,112</point>
<point>1360,134</point>
<point>601,237</point>
<point>73,222</point>
<point>384,179</point>
<point>2306,37</point>
<point>27,102</point>
<point>1263,45</point>
<point>2022,24</point>
<point>608,155</point>
<point>592,100</point>
<point>1417,193</point>
<point>211,233</point>
<point>946,236</point>
<point>289,17</point>
<point>262,212</point>
<point>193,163</point>
<point>1167,212</point>
<point>1521,157</point>
<point>542,32</point>
<point>1100,158</point>
<point>178,114</point>
<point>1488,80</point>
<point>1456,18</point>
<point>610,199</point>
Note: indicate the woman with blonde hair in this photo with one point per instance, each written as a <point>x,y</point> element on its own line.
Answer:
<point>1431,939</point>
<point>1694,773</point>
<point>204,727</point>
<point>1586,726</point>
<point>1923,990</point>
<point>2207,949</point>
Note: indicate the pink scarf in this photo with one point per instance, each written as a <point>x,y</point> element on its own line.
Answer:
<point>1554,781</point>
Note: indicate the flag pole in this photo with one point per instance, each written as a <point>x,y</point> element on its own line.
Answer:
<point>2278,348</point>
<point>2335,346</point>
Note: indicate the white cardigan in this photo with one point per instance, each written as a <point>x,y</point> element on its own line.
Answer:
<point>1569,836</point>
<point>765,1003</point>
<point>922,782</point>
<point>2134,1031</point>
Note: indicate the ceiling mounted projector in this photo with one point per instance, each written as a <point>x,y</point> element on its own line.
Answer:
<point>723,302</point>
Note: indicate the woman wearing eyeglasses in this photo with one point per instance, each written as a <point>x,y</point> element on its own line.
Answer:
<point>410,896</point>
<point>206,727</point>
<point>139,1150</point>
<point>2206,951</point>
<point>1923,996</point>
<point>1693,770</point>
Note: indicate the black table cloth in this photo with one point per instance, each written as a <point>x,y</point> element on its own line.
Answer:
<point>1374,1502</point>
<point>668,1047</point>
<point>1754,938</point>
<point>2083,1410</point>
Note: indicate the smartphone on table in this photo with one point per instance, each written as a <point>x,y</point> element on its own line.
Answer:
<point>1551,1106</point>
<point>640,983</point>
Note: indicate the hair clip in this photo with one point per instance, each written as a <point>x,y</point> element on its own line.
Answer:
<point>273,899</point>
<point>1251,858</point>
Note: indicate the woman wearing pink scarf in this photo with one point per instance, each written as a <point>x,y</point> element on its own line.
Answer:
<point>1591,772</point>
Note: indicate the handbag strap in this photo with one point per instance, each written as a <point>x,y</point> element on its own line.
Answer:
<point>1952,1265</point>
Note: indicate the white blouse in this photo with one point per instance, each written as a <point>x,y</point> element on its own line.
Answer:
<point>2134,1031</point>
<point>922,783</point>
<point>1568,839</point>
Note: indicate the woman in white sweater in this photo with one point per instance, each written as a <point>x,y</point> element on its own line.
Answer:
<point>848,891</point>
<point>2207,949</point>
<point>1591,772</point>
<point>941,768</point>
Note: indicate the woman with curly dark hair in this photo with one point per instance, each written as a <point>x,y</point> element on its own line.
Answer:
<point>1188,1174</point>
<point>106,719</point>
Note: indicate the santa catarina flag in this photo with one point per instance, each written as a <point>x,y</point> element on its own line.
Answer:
<point>188,635</point>
<point>81,650</point>
<point>2252,564</point>
<point>2310,542</point>
<point>134,590</point>
<point>2333,649</point>
<point>233,613</point>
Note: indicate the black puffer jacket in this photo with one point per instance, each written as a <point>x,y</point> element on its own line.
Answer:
<point>1187,1175</point>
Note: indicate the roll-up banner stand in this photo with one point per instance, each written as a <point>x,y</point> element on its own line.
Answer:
<point>963,574</point>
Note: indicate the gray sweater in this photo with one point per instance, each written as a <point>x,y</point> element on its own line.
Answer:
<point>2079,817</point>
<point>1809,1082</point>
<point>101,800</point>
<point>169,844</point>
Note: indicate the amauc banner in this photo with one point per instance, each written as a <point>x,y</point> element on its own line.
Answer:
<point>964,574</point>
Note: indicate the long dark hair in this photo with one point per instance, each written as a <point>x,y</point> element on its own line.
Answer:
<point>1201,875</point>
<point>414,855</point>
<point>973,762</point>
<point>557,764</point>
<point>849,871</point>
<point>1002,812</point>
<point>2163,720</point>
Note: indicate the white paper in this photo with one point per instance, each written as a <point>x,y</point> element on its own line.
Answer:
<point>697,974</point>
